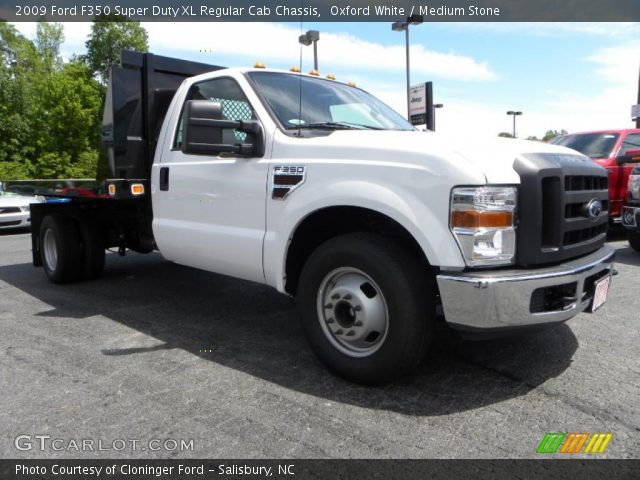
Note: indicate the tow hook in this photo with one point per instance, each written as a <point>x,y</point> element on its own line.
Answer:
<point>568,302</point>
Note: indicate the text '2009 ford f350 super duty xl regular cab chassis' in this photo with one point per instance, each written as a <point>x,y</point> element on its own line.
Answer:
<point>318,189</point>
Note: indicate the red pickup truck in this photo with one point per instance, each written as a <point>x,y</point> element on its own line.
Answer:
<point>604,147</point>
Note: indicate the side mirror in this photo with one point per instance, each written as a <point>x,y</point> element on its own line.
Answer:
<point>203,128</point>
<point>630,156</point>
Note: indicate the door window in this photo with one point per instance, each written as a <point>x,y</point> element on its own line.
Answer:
<point>235,106</point>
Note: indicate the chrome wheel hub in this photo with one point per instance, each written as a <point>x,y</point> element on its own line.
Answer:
<point>50,250</point>
<point>352,312</point>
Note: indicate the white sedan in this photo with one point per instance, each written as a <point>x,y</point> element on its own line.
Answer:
<point>14,210</point>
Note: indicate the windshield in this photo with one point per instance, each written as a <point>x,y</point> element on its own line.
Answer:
<point>594,145</point>
<point>304,102</point>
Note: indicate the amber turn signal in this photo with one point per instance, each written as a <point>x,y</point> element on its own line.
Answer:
<point>476,219</point>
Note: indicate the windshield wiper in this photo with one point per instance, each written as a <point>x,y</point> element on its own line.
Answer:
<point>361,125</point>
<point>324,125</point>
<point>335,126</point>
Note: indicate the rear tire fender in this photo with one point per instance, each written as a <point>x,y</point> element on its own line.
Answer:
<point>93,249</point>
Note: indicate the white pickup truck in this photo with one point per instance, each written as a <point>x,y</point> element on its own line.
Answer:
<point>318,189</point>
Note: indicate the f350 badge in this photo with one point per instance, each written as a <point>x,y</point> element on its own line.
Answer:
<point>286,178</point>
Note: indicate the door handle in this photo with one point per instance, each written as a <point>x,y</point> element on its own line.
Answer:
<point>164,179</point>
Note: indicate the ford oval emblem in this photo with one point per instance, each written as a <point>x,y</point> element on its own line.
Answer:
<point>594,208</point>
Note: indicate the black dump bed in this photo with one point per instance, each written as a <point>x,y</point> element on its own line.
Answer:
<point>138,96</point>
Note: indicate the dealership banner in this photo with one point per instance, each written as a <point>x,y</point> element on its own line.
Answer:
<point>324,10</point>
<point>318,469</point>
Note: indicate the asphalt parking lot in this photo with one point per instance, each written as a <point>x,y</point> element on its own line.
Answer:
<point>153,350</point>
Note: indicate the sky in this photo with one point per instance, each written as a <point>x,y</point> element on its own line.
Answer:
<point>572,76</point>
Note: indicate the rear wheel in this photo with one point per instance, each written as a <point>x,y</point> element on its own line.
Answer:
<point>367,307</point>
<point>634,240</point>
<point>60,249</point>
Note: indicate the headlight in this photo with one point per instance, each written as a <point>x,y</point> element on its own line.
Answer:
<point>482,219</point>
<point>633,187</point>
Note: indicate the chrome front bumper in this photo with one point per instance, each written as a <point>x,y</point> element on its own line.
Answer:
<point>485,300</point>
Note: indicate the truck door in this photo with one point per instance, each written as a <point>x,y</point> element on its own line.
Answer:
<point>209,211</point>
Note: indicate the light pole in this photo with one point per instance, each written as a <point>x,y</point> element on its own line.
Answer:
<point>435,106</point>
<point>514,114</point>
<point>638,118</point>
<point>312,36</point>
<point>404,27</point>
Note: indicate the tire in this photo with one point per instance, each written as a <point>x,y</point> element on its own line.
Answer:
<point>634,240</point>
<point>60,249</point>
<point>93,251</point>
<point>367,307</point>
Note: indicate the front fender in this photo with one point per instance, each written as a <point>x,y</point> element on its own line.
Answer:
<point>426,221</point>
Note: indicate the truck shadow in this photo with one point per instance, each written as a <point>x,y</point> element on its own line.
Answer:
<point>5,232</point>
<point>252,329</point>
<point>627,256</point>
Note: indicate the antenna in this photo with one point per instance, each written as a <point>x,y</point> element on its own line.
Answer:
<point>300,82</point>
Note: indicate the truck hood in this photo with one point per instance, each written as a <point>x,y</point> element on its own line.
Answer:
<point>487,160</point>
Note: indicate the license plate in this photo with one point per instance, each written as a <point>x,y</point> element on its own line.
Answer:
<point>600,292</point>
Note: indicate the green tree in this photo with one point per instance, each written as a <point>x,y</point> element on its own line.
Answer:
<point>551,134</point>
<point>18,59</point>
<point>67,119</point>
<point>109,35</point>
<point>505,134</point>
<point>533,138</point>
<point>49,37</point>
<point>50,111</point>
<point>16,170</point>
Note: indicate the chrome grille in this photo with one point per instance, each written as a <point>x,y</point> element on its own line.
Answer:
<point>558,201</point>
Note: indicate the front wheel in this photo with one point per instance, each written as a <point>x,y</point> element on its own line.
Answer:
<point>634,240</point>
<point>367,307</point>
